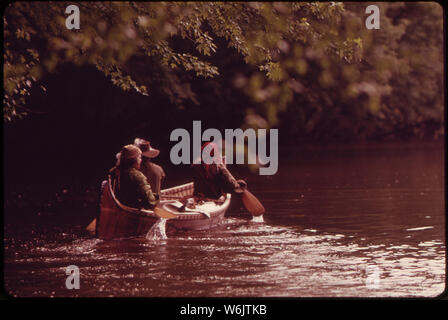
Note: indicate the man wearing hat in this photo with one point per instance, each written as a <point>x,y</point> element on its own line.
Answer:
<point>133,187</point>
<point>153,172</point>
<point>214,180</point>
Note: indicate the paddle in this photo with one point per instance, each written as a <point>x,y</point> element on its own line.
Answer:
<point>92,226</point>
<point>164,214</point>
<point>252,204</point>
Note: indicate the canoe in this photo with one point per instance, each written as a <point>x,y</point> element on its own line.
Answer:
<point>119,221</point>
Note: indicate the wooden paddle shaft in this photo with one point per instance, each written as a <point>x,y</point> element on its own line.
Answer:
<point>252,204</point>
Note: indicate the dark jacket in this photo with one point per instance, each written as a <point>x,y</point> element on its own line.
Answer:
<point>214,182</point>
<point>153,173</point>
<point>134,190</point>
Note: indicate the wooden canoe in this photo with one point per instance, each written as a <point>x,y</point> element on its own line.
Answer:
<point>119,221</point>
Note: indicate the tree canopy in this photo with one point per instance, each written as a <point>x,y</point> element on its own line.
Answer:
<point>312,69</point>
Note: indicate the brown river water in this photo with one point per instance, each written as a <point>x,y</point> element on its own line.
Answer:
<point>341,222</point>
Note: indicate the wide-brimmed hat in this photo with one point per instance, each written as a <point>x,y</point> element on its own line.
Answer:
<point>128,152</point>
<point>146,148</point>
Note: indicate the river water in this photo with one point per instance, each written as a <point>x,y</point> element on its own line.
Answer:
<point>340,222</point>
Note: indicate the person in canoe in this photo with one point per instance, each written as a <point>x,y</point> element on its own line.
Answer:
<point>214,180</point>
<point>132,188</point>
<point>153,172</point>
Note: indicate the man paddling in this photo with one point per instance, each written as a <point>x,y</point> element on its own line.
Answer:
<point>130,185</point>
<point>153,172</point>
<point>214,180</point>
<point>133,189</point>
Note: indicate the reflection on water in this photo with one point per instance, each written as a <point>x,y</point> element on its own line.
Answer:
<point>338,223</point>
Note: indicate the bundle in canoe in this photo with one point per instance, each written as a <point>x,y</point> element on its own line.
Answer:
<point>119,221</point>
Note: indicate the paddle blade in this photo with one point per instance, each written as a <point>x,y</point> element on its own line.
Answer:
<point>252,204</point>
<point>92,226</point>
<point>162,213</point>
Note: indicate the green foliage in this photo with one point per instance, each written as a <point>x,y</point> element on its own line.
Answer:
<point>404,66</point>
<point>389,83</point>
<point>312,69</point>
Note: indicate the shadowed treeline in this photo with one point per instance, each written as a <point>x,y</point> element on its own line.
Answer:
<point>312,70</point>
